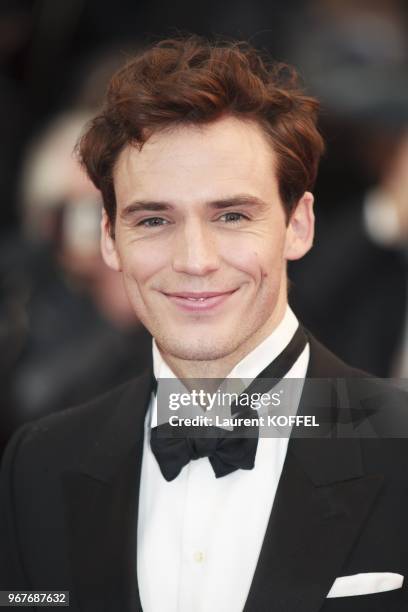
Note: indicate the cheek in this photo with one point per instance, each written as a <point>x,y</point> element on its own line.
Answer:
<point>257,261</point>
<point>142,264</point>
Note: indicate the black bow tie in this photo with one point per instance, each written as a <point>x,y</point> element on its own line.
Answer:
<point>226,452</point>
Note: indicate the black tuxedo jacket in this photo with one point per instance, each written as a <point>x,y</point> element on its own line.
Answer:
<point>69,505</point>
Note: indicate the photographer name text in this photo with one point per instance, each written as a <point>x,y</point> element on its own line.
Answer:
<point>258,421</point>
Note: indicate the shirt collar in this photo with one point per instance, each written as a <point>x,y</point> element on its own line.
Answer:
<point>252,364</point>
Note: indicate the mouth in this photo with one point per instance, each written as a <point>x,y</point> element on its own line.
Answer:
<point>199,301</point>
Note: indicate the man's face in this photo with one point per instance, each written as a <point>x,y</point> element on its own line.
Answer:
<point>201,238</point>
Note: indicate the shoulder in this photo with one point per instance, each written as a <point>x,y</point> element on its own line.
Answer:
<point>376,409</point>
<point>59,439</point>
<point>325,364</point>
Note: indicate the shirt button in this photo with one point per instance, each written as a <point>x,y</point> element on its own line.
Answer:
<point>199,557</point>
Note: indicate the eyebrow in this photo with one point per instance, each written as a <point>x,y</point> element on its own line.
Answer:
<point>221,204</point>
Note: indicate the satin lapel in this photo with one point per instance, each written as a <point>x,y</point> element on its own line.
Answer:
<point>321,503</point>
<point>310,532</point>
<point>102,508</point>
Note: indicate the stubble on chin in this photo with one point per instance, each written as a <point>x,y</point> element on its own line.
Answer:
<point>192,349</point>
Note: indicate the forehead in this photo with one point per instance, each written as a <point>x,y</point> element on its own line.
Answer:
<point>198,163</point>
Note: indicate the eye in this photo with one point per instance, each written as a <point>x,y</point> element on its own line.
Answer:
<point>233,217</point>
<point>152,222</point>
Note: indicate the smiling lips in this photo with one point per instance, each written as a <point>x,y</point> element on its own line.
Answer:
<point>199,301</point>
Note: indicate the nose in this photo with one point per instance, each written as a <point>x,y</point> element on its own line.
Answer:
<point>195,251</point>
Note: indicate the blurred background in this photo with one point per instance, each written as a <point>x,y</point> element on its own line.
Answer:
<point>67,332</point>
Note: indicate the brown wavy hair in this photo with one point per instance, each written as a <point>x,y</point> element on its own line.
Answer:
<point>194,81</point>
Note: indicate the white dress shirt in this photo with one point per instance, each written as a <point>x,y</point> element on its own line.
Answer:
<point>199,537</point>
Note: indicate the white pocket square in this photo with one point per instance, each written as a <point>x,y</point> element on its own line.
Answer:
<point>364,584</point>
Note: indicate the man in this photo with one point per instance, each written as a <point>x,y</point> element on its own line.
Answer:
<point>205,156</point>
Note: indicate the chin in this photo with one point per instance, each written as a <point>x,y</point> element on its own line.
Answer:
<point>196,349</point>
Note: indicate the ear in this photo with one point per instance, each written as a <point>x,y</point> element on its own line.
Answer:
<point>108,244</point>
<point>300,230</point>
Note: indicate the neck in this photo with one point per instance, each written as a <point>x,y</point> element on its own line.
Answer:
<point>220,368</point>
